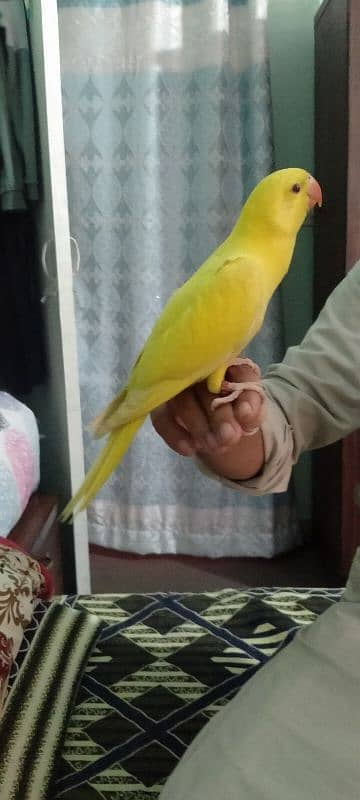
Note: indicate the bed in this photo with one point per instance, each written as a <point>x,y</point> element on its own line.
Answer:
<point>151,671</point>
<point>101,695</point>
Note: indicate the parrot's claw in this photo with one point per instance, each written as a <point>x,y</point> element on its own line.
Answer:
<point>236,389</point>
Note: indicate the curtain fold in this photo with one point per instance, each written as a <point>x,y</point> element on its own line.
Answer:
<point>167,118</point>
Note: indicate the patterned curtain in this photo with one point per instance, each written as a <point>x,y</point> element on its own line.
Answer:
<point>167,128</point>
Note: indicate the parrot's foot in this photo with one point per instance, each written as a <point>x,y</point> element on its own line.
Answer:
<point>236,389</point>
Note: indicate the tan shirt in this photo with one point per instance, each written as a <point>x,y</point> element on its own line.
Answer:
<point>314,394</point>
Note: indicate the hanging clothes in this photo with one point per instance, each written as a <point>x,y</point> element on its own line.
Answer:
<point>19,173</point>
<point>22,351</point>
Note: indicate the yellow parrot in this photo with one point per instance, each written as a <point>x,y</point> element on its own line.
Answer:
<point>209,320</point>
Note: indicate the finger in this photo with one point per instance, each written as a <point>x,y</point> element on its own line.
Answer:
<point>241,373</point>
<point>249,410</point>
<point>222,422</point>
<point>171,432</point>
<point>189,415</point>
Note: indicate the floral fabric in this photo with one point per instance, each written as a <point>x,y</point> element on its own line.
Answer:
<point>22,582</point>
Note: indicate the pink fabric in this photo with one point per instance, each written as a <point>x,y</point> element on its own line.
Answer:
<point>22,463</point>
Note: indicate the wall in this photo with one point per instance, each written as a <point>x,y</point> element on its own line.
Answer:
<point>291,43</point>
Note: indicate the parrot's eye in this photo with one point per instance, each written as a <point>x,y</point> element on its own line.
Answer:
<point>296,188</point>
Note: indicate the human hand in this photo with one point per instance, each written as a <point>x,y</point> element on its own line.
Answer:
<point>188,424</point>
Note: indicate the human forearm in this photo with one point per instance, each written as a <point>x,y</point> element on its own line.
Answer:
<point>317,386</point>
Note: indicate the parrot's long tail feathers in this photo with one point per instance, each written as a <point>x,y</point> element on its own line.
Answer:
<point>108,458</point>
<point>98,427</point>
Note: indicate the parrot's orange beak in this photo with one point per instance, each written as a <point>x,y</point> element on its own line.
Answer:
<point>314,193</point>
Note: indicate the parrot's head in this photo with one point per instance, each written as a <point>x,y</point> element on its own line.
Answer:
<point>283,199</point>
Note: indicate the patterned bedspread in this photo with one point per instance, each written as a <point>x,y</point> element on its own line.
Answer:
<point>163,666</point>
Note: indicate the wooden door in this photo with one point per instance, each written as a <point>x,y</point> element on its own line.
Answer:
<point>351,446</point>
<point>336,469</point>
<point>329,237</point>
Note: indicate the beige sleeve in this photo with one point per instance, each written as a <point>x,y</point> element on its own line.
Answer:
<point>314,394</point>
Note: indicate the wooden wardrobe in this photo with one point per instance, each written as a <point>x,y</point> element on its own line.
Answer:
<point>336,469</point>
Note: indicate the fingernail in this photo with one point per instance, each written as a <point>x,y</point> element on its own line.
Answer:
<point>226,431</point>
<point>245,408</point>
<point>186,448</point>
<point>250,431</point>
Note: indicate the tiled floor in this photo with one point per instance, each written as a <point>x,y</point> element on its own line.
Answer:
<point>122,572</point>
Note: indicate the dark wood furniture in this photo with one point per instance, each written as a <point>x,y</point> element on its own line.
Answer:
<point>336,469</point>
<point>38,532</point>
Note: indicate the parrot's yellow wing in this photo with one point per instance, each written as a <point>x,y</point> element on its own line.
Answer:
<point>191,339</point>
<point>188,343</point>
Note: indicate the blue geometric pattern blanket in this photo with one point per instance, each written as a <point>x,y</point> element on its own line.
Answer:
<point>162,666</point>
